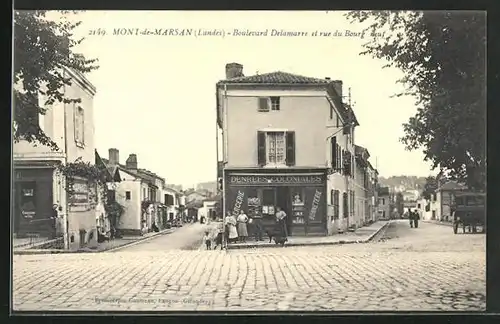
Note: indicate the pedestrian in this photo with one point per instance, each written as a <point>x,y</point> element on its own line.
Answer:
<point>54,221</point>
<point>257,227</point>
<point>416,218</point>
<point>242,226</point>
<point>208,242</point>
<point>231,222</point>
<point>281,220</point>
<point>410,217</point>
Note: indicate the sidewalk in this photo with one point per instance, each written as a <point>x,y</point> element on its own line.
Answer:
<point>361,235</point>
<point>437,222</point>
<point>101,247</point>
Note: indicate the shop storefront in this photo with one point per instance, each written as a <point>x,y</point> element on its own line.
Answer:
<point>301,194</point>
<point>32,193</point>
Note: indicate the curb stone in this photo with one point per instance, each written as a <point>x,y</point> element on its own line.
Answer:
<point>110,249</point>
<point>232,247</point>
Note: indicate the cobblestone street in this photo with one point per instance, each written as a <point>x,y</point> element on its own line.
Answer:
<point>427,268</point>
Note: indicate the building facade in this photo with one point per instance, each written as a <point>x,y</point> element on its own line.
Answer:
<point>295,146</point>
<point>37,184</point>
<point>384,203</point>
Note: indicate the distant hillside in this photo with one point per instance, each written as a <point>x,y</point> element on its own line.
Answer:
<point>209,186</point>
<point>402,183</point>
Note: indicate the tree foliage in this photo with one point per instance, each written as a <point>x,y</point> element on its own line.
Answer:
<point>431,184</point>
<point>42,50</point>
<point>442,55</point>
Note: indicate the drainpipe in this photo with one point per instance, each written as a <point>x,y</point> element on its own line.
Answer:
<point>65,214</point>
<point>224,160</point>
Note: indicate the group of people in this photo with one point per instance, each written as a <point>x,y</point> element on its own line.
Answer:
<point>237,227</point>
<point>414,217</point>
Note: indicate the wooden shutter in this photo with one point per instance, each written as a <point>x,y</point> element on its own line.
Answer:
<point>290,148</point>
<point>333,142</point>
<point>261,148</point>
<point>345,203</point>
<point>263,104</point>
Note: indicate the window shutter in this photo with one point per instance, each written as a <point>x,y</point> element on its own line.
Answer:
<point>333,142</point>
<point>261,148</point>
<point>345,203</point>
<point>263,104</point>
<point>290,148</point>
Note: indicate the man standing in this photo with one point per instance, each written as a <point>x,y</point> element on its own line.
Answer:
<point>416,217</point>
<point>257,227</point>
<point>410,216</point>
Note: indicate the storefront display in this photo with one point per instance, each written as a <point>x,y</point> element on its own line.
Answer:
<point>301,195</point>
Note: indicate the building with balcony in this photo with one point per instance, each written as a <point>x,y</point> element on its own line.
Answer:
<point>288,142</point>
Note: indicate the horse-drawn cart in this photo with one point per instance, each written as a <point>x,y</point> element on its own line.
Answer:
<point>468,211</point>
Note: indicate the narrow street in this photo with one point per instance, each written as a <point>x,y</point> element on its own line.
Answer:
<point>187,237</point>
<point>428,268</point>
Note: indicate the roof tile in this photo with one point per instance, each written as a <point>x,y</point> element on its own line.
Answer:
<point>277,77</point>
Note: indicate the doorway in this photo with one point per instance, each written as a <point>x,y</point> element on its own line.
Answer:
<point>283,201</point>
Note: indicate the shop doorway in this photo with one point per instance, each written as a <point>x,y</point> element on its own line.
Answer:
<point>283,201</point>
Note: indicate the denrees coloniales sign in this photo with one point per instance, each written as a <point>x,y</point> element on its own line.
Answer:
<point>274,179</point>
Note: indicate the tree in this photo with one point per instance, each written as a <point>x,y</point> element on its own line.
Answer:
<point>442,55</point>
<point>42,49</point>
<point>431,184</point>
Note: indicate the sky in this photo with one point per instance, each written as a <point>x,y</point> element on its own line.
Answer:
<point>156,94</point>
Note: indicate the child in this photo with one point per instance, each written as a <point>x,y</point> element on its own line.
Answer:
<point>208,242</point>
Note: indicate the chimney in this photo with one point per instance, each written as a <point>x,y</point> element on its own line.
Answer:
<point>234,70</point>
<point>337,85</point>
<point>327,78</point>
<point>131,162</point>
<point>114,156</point>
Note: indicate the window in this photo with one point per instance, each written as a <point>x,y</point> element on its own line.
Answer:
<point>127,195</point>
<point>275,103</point>
<point>266,104</point>
<point>336,204</point>
<point>383,201</point>
<point>276,148</point>
<point>79,125</point>
<point>169,200</point>
<point>331,196</point>
<point>144,195</point>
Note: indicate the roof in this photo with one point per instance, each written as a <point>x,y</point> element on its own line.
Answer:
<point>141,173</point>
<point>277,77</point>
<point>112,174</point>
<point>452,185</point>
<point>285,78</point>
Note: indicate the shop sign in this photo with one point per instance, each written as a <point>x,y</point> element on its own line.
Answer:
<point>274,179</point>
<point>315,204</point>
<point>80,194</point>
<point>238,202</point>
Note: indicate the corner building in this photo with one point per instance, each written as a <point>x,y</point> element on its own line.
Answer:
<point>287,141</point>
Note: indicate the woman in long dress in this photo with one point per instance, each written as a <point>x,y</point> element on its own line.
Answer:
<point>242,226</point>
<point>231,226</point>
